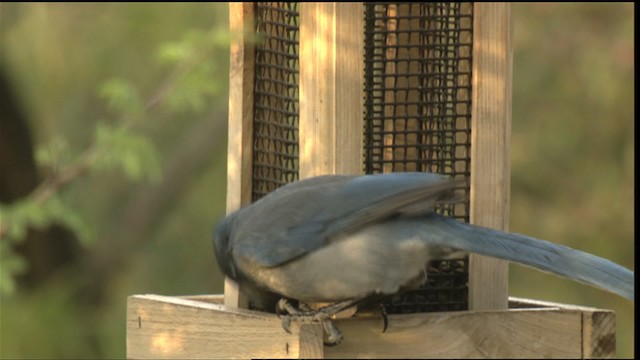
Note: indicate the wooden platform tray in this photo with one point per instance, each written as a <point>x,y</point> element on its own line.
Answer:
<point>192,327</point>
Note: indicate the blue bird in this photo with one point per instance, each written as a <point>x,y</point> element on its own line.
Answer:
<point>342,239</point>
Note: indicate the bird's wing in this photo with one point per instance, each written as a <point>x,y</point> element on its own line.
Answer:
<point>370,199</point>
<point>304,216</point>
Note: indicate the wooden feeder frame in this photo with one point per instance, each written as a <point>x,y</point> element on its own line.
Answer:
<point>330,126</point>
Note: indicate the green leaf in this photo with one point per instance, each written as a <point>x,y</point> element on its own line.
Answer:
<point>54,153</point>
<point>122,97</point>
<point>134,154</point>
<point>60,212</point>
<point>17,217</point>
<point>11,264</point>
<point>20,216</point>
<point>173,53</point>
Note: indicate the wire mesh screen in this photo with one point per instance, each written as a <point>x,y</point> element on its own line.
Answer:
<point>275,127</point>
<point>417,117</point>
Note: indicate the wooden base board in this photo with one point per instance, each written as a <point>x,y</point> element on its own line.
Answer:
<point>166,327</point>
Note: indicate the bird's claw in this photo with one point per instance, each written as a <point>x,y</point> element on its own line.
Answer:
<point>284,310</point>
<point>287,312</point>
<point>334,336</point>
<point>385,318</point>
<point>286,323</point>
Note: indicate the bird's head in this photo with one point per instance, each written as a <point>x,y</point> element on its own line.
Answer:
<point>222,246</point>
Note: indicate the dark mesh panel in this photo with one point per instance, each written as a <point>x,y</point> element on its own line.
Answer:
<point>275,127</point>
<point>417,117</point>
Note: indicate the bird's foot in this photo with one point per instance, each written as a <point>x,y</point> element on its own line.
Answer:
<point>304,314</point>
<point>385,318</point>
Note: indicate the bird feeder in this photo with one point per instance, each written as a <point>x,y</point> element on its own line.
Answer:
<point>362,88</point>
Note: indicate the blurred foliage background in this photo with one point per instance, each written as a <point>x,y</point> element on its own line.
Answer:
<point>143,88</point>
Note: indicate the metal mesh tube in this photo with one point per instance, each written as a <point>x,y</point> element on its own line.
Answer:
<point>275,127</point>
<point>417,117</point>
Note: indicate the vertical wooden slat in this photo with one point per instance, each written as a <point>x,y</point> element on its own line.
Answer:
<point>331,98</point>
<point>239,160</point>
<point>331,88</point>
<point>311,345</point>
<point>490,143</point>
<point>598,334</point>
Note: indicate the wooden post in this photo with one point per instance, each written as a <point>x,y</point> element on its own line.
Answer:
<point>490,145</point>
<point>240,147</point>
<point>331,88</point>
